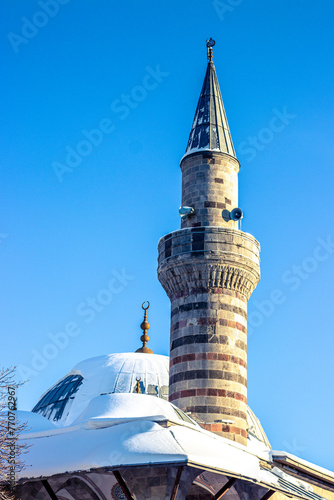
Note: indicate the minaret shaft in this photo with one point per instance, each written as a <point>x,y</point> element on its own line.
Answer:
<point>209,268</point>
<point>209,185</point>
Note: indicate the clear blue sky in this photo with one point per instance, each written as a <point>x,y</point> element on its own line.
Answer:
<point>135,70</point>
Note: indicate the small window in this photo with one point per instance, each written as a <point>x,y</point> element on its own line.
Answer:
<point>53,404</point>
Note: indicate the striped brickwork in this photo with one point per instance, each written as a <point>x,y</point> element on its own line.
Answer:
<point>209,274</point>
<point>209,185</point>
<point>208,367</point>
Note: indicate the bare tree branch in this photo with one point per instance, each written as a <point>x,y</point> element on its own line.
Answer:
<point>12,448</point>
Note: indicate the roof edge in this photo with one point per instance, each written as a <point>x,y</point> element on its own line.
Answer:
<point>304,466</point>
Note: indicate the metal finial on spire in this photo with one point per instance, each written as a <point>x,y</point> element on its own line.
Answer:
<point>138,379</point>
<point>145,326</point>
<point>209,44</point>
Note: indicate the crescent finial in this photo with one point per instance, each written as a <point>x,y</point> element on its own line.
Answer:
<point>145,326</point>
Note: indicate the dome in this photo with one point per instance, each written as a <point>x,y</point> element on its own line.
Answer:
<point>119,373</point>
<point>113,373</point>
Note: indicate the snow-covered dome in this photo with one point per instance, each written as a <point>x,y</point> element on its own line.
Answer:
<point>118,373</point>
<point>113,373</point>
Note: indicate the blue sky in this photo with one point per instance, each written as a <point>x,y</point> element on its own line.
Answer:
<point>126,78</point>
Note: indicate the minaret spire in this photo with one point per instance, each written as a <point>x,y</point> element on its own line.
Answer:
<point>210,130</point>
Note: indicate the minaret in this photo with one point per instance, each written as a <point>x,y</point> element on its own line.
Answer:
<point>209,268</point>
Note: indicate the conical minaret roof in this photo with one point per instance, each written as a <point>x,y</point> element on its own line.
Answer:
<point>210,130</point>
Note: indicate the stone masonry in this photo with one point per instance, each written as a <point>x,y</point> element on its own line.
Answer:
<point>209,185</point>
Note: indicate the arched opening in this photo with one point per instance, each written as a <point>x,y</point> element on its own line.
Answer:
<point>77,488</point>
<point>207,484</point>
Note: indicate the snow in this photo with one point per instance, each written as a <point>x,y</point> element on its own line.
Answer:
<point>256,446</point>
<point>83,449</point>
<point>34,422</point>
<point>116,373</point>
<point>112,365</point>
<point>123,429</point>
<point>125,406</point>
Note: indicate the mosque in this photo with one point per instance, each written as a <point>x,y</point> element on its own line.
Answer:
<point>141,425</point>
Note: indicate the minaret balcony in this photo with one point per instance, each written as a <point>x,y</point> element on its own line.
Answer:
<point>209,257</point>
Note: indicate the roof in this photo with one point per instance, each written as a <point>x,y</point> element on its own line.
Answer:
<point>125,430</point>
<point>210,130</point>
